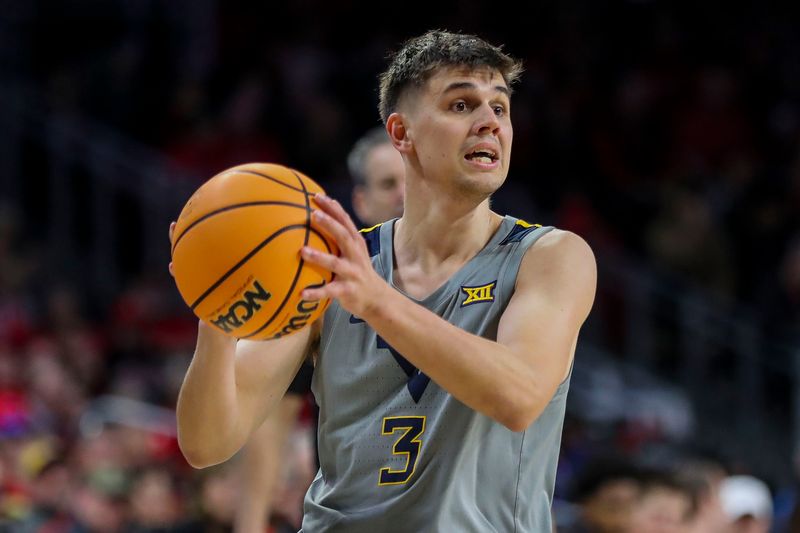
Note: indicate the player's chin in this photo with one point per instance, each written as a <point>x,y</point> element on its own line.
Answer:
<point>483,186</point>
<point>489,179</point>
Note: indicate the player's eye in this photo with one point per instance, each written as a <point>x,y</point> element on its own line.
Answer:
<point>499,110</point>
<point>459,107</point>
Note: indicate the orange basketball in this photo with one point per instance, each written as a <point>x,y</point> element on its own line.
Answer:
<point>236,251</point>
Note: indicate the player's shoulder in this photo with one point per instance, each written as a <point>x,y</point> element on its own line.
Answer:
<point>560,249</point>
<point>563,241</point>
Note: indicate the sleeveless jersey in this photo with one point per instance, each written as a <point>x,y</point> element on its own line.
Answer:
<point>397,452</point>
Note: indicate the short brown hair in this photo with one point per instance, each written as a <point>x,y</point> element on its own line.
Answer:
<point>420,56</point>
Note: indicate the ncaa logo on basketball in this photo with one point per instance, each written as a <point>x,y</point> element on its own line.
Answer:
<point>243,309</point>
<point>478,294</point>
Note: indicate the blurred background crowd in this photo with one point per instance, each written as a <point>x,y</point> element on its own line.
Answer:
<point>666,134</point>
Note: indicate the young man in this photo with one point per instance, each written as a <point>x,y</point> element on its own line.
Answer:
<point>442,366</point>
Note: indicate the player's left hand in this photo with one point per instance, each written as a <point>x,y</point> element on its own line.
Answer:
<point>357,286</point>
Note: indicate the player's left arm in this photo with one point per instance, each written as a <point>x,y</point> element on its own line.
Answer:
<point>510,380</point>
<point>554,293</point>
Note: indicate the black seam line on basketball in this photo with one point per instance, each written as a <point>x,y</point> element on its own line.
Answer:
<point>308,215</point>
<point>244,260</point>
<point>280,308</point>
<point>308,207</point>
<point>323,239</point>
<point>229,208</point>
<point>266,176</point>
<point>296,272</point>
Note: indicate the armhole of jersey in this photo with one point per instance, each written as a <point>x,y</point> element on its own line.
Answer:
<point>514,264</point>
<point>569,373</point>
<point>510,270</point>
<point>314,348</point>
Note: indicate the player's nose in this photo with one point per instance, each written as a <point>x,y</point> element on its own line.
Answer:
<point>486,120</point>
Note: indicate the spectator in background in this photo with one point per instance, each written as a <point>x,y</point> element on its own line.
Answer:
<point>50,499</point>
<point>219,492</point>
<point>378,175</point>
<point>378,178</point>
<point>155,504</point>
<point>605,492</point>
<point>617,496</point>
<point>665,504</point>
<point>97,509</point>
<point>706,476</point>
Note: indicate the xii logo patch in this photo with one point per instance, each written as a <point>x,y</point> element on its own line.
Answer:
<point>478,294</point>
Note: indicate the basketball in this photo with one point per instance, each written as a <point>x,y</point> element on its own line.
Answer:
<point>236,252</point>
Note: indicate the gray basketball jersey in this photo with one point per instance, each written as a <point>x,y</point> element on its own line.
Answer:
<point>397,452</point>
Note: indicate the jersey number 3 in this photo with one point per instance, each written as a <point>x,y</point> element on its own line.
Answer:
<point>408,444</point>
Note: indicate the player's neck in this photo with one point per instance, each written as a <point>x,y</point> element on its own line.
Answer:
<point>434,232</point>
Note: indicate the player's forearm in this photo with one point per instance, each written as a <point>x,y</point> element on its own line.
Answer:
<point>208,428</point>
<point>481,373</point>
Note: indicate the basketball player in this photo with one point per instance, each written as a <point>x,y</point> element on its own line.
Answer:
<point>378,175</point>
<point>443,363</point>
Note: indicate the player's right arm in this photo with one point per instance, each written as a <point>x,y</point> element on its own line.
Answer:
<point>231,387</point>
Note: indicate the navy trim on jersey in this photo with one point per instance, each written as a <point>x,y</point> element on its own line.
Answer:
<point>417,385</point>
<point>373,240</point>
<point>417,381</point>
<point>518,233</point>
<point>407,367</point>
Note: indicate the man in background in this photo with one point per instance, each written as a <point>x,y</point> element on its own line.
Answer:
<point>379,178</point>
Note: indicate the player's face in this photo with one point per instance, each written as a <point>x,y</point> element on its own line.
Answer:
<point>461,128</point>
<point>381,197</point>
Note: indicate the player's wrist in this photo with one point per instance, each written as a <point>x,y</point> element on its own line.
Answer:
<point>379,303</point>
<point>208,336</point>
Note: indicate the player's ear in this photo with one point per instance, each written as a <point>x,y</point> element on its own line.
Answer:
<point>398,132</point>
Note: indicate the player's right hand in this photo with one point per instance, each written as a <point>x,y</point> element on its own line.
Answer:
<point>357,287</point>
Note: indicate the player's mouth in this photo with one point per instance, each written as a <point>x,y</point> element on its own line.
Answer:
<point>483,156</point>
